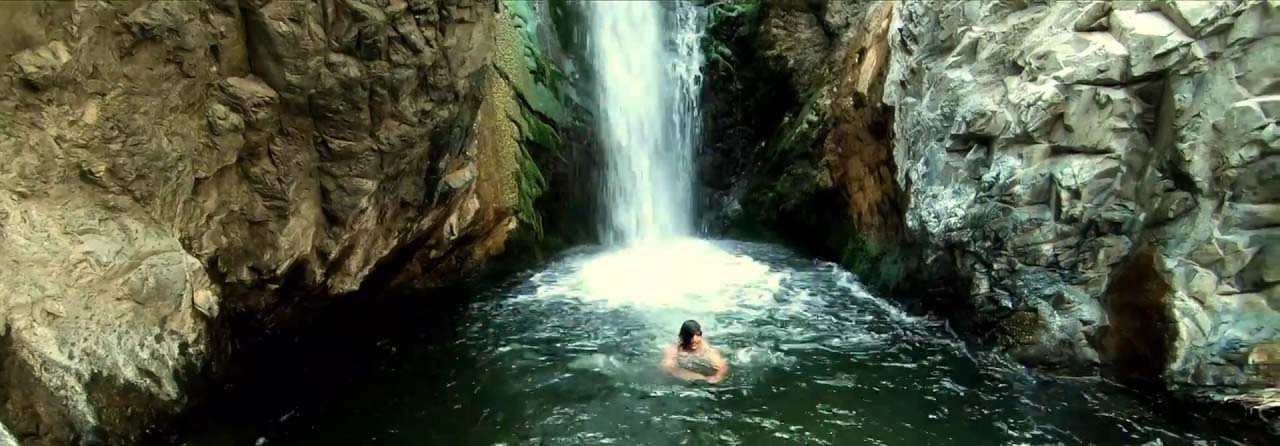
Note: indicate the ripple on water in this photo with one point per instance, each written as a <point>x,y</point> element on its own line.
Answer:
<point>569,354</point>
<point>816,358</point>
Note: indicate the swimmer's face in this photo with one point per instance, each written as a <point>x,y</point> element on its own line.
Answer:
<point>697,340</point>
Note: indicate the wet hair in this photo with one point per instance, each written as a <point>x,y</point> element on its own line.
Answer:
<point>688,330</point>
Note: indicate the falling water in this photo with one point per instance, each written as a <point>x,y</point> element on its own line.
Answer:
<point>649,61</point>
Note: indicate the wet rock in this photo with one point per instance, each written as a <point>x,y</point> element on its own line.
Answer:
<point>795,40</point>
<point>1265,358</point>
<point>798,144</point>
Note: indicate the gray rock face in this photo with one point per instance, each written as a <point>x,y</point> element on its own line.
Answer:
<point>1105,174</point>
<point>171,163</point>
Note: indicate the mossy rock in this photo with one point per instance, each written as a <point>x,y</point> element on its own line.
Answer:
<point>801,134</point>
<point>1022,328</point>
<point>738,16</point>
<point>569,22</point>
<point>538,132</point>
<point>881,265</point>
<point>538,83</point>
<point>532,184</point>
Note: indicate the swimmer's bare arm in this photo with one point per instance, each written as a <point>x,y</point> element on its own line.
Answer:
<point>722,367</point>
<point>673,369</point>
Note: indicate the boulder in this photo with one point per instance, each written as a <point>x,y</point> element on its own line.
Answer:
<point>121,316</point>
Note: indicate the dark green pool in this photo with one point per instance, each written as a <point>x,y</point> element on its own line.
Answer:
<point>567,356</point>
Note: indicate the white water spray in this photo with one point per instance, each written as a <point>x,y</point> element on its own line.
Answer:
<point>649,61</point>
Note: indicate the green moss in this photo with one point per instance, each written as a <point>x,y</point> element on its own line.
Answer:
<point>535,131</point>
<point>728,21</point>
<point>791,193</point>
<point>539,46</point>
<point>541,91</point>
<point>719,57</point>
<point>538,83</point>
<point>880,265</point>
<point>531,185</point>
<point>799,134</point>
<point>738,15</point>
<point>793,157</point>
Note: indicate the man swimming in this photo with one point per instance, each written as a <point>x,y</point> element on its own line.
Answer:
<point>694,359</point>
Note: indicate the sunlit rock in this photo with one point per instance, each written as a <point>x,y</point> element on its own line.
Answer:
<point>43,67</point>
<point>174,165</point>
<point>1154,42</point>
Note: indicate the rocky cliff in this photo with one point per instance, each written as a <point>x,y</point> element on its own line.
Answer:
<point>798,141</point>
<point>1103,176</point>
<point>1099,178</point>
<point>173,166</point>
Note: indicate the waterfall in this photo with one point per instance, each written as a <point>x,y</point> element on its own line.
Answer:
<point>648,63</point>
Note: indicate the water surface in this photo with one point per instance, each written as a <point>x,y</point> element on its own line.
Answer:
<point>567,355</point>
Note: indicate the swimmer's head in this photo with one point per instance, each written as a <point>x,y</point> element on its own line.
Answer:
<point>690,334</point>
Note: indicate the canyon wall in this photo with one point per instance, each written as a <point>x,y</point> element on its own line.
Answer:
<point>1088,185</point>
<point>1103,176</point>
<point>175,166</point>
<point>798,141</point>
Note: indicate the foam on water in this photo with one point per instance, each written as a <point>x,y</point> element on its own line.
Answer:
<point>571,354</point>
<point>681,274</point>
<point>750,301</point>
<point>664,283</point>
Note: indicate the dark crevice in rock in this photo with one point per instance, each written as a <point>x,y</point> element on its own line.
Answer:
<point>121,406</point>
<point>253,41</point>
<point>798,150</point>
<point>1138,341</point>
<point>34,414</point>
